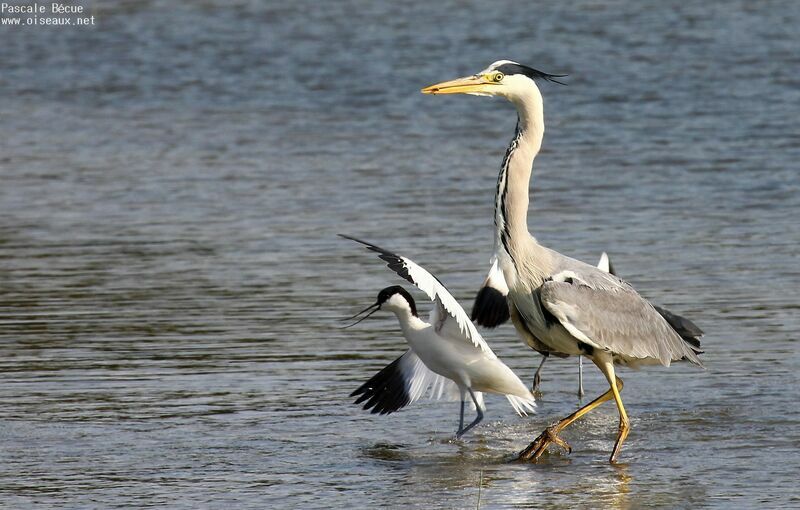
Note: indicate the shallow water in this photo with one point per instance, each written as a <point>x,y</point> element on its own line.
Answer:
<point>171,282</point>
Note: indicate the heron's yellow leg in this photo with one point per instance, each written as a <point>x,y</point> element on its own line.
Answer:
<point>550,435</point>
<point>624,424</point>
<point>588,407</point>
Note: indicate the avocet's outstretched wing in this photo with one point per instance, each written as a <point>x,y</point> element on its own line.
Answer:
<point>401,382</point>
<point>490,308</point>
<point>437,292</point>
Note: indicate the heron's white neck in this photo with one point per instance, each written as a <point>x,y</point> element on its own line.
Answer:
<point>512,200</point>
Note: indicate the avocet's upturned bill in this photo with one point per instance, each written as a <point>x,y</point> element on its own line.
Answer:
<point>447,354</point>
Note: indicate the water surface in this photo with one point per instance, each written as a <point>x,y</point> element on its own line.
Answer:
<point>170,278</point>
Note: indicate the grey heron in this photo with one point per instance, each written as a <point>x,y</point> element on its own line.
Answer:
<point>556,303</point>
<point>490,310</point>
<point>445,351</point>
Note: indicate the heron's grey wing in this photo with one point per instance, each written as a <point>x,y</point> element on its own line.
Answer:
<point>618,320</point>
<point>436,291</point>
<point>400,383</point>
<point>490,308</point>
<point>687,329</point>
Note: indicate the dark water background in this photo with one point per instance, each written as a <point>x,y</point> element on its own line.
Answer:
<point>172,180</point>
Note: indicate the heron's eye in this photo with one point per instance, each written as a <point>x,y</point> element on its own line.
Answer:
<point>497,77</point>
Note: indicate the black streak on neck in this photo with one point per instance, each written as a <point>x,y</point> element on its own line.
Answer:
<point>502,181</point>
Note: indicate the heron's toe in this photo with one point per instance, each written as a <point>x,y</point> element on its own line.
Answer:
<point>560,442</point>
<point>537,448</point>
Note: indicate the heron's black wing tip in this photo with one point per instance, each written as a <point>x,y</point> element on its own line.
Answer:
<point>687,329</point>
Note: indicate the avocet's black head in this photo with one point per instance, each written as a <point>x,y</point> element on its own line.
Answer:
<point>394,298</point>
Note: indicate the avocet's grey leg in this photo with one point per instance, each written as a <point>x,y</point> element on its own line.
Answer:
<point>477,408</point>
<point>461,430</point>
<point>580,377</point>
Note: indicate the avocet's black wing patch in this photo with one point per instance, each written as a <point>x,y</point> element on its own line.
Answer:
<point>400,383</point>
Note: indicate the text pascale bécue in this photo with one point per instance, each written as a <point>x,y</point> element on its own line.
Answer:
<point>36,8</point>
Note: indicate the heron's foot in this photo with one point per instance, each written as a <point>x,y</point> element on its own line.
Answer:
<point>540,444</point>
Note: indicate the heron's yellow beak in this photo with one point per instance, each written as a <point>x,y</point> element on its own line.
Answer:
<point>466,85</point>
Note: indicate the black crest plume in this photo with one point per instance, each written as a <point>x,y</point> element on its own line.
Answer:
<point>534,74</point>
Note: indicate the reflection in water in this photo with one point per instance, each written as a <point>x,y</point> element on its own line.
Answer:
<point>616,488</point>
<point>387,452</point>
<point>604,486</point>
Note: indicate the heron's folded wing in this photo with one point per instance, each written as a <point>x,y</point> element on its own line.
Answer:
<point>687,329</point>
<point>618,320</point>
<point>401,382</point>
<point>436,291</point>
